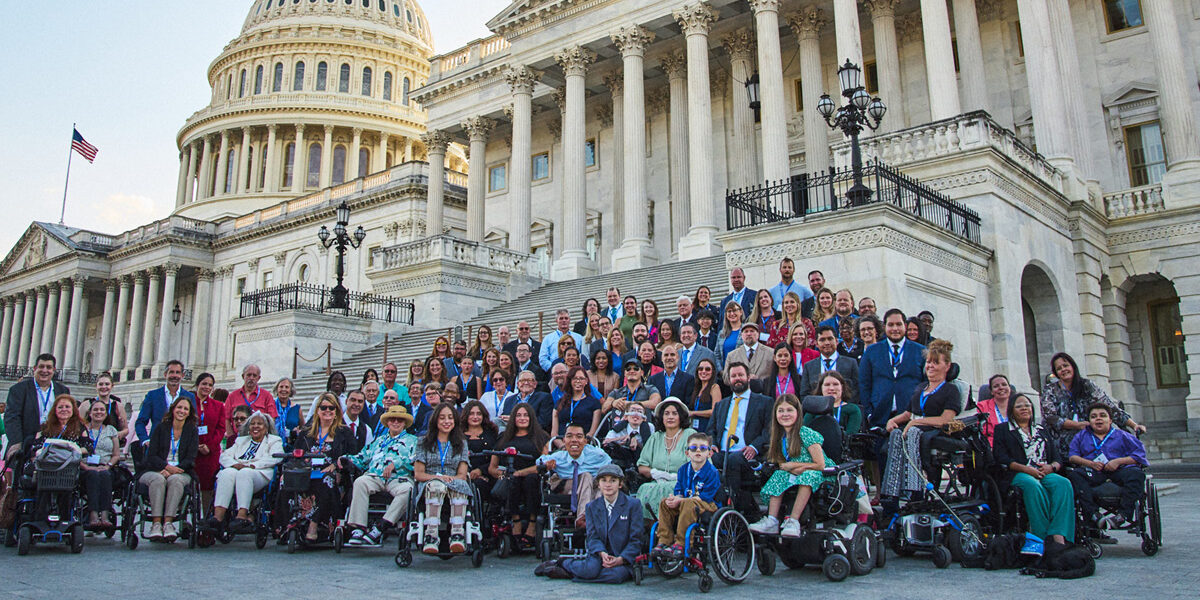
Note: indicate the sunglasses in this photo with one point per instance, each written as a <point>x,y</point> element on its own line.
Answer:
<point>239,419</point>
<point>697,448</point>
<point>326,408</point>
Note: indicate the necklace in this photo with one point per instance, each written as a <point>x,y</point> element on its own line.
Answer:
<point>671,440</point>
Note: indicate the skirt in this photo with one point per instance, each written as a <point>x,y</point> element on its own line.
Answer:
<point>781,481</point>
<point>651,493</point>
<point>903,470</point>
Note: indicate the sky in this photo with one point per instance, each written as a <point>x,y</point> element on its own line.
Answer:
<point>128,74</point>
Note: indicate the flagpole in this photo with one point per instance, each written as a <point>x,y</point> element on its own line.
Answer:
<point>70,151</point>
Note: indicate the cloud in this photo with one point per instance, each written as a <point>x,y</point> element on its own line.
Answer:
<point>119,213</point>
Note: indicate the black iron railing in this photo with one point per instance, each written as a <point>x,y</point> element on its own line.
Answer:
<point>316,298</point>
<point>812,193</point>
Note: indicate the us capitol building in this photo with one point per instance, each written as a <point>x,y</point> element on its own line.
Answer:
<point>1035,181</point>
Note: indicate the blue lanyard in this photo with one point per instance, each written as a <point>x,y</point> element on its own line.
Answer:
<point>783,439</point>
<point>44,399</point>
<point>174,446</point>
<point>1099,443</point>
<point>691,479</point>
<point>838,416</point>
<point>925,396</point>
<point>95,440</point>
<point>897,355</point>
<point>498,403</point>
<point>250,402</point>
<point>781,385</point>
<point>321,441</point>
<point>630,395</point>
<point>442,452</point>
<point>999,419</point>
<point>574,403</point>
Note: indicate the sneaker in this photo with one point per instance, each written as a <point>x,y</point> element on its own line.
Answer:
<point>791,528</point>
<point>372,537</point>
<point>1034,546</point>
<point>156,532</point>
<point>356,538</point>
<point>659,550</point>
<point>767,525</point>
<point>676,551</point>
<point>458,543</point>
<point>432,541</point>
<point>168,532</point>
<point>1113,521</point>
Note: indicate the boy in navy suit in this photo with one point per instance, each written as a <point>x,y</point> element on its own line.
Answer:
<point>614,536</point>
<point>696,487</point>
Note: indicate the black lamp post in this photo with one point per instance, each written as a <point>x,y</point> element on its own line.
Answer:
<point>861,110</point>
<point>176,314</point>
<point>341,295</point>
<point>752,92</point>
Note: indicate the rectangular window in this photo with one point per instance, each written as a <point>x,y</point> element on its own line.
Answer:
<point>1020,40</point>
<point>954,52</point>
<point>541,166</point>
<point>497,178</point>
<point>871,77</point>
<point>241,285</point>
<point>1145,153</point>
<point>268,279</point>
<point>798,88</point>
<point>589,153</point>
<point>1122,14</point>
<point>1166,336</point>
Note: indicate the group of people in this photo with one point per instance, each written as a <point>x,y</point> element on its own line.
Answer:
<point>685,405</point>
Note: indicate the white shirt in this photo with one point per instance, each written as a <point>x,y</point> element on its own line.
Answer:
<point>832,359</point>
<point>45,400</point>
<point>357,422</point>
<point>739,428</point>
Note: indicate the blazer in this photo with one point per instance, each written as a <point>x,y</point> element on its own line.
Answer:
<point>681,388</point>
<point>758,422</point>
<point>697,354</point>
<point>760,366</point>
<point>534,346</point>
<point>771,383</point>
<point>1007,447</point>
<point>714,338</point>
<point>154,409</point>
<point>22,418</point>
<point>811,371</point>
<point>882,392</point>
<point>619,534</point>
<point>263,459</point>
<point>159,447</point>
<point>542,403</point>
<point>747,303</point>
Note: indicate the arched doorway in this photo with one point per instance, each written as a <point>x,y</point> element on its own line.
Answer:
<point>1158,360</point>
<point>1043,323</point>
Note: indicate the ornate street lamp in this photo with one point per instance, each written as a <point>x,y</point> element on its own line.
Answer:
<point>176,314</point>
<point>340,295</point>
<point>861,110</point>
<point>752,91</point>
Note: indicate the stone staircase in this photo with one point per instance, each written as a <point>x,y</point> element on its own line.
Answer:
<point>1172,447</point>
<point>661,283</point>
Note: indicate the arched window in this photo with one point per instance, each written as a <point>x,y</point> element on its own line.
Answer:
<point>339,164</point>
<point>230,171</point>
<point>258,76</point>
<point>277,80</point>
<point>242,84</point>
<point>322,72</point>
<point>366,3</point>
<point>366,81</point>
<point>387,85</point>
<point>314,165</point>
<point>396,9</point>
<point>379,4</point>
<point>364,162</point>
<point>289,162</point>
<point>298,77</point>
<point>303,273</point>
<point>404,89</point>
<point>344,78</point>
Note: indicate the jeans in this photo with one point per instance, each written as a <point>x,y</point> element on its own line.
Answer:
<point>99,486</point>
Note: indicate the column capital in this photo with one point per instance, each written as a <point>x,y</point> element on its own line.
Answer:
<point>300,131</point>
<point>79,279</point>
<point>764,5</point>
<point>739,45</point>
<point>272,128</point>
<point>205,274</point>
<point>171,269</point>
<point>808,22</point>
<point>329,130</point>
<point>383,137</point>
<point>357,131</point>
<point>675,64</point>
<point>574,60</point>
<point>615,82</point>
<point>110,285</point>
<point>125,280</point>
<point>560,98</point>
<point>43,290</point>
<point>435,141</point>
<point>881,8</point>
<point>521,79</point>
<point>224,136</point>
<point>695,19</point>
<point>478,128</point>
<point>632,40</point>
<point>154,274</point>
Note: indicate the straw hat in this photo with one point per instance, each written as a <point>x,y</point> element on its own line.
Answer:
<point>397,412</point>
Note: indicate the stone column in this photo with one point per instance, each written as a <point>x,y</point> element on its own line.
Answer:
<point>222,165</point>
<point>184,169</point>
<point>1188,288</point>
<point>82,337</point>
<point>197,356</point>
<point>635,251</point>
<point>20,344</point>
<point>615,82</point>
<point>846,32</point>
<point>166,327</point>
<point>137,322</point>
<point>299,162</point>
<point>245,178</point>
<point>381,153</point>
<point>408,150</point>
<point>6,330</point>
<point>887,59</point>
<point>770,73</point>
<point>119,332</point>
<point>271,185</point>
<point>970,55</point>
<point>1045,90</point>
<point>39,324</point>
<point>695,20</point>
<point>675,65</point>
<point>574,262</point>
<point>939,60</point>
<point>744,151</point>
<point>520,80</point>
<point>193,174</point>
<point>62,323</point>
<point>149,333</point>
<point>1176,80</point>
<point>54,323</point>
<point>75,325</point>
<point>205,183</point>
<point>352,158</point>
<point>104,352</point>
<point>1116,334</point>
<point>13,341</point>
<point>807,26</point>
<point>477,129</point>
<point>435,145</point>
<point>326,176</point>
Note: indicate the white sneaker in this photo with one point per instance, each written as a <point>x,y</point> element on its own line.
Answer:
<point>768,525</point>
<point>791,528</point>
<point>156,531</point>
<point>168,532</point>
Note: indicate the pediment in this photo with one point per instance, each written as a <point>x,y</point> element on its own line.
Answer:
<point>1132,93</point>
<point>526,11</point>
<point>35,247</point>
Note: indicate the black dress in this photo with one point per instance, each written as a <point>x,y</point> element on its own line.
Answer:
<point>524,495</point>
<point>486,441</point>
<point>326,490</point>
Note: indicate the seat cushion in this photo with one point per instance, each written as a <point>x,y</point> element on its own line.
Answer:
<point>1107,494</point>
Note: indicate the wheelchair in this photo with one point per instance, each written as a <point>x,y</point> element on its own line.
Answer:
<point>57,477</point>
<point>377,505</point>
<point>1146,523</point>
<point>136,514</point>
<point>260,515</point>
<point>294,475</point>
<point>414,528</point>
<point>498,525</point>
<point>122,475</point>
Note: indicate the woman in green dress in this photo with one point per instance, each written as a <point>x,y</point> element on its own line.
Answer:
<point>797,451</point>
<point>663,454</point>
<point>849,416</point>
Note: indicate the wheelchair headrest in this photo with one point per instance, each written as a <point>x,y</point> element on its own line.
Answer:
<point>817,405</point>
<point>952,374</point>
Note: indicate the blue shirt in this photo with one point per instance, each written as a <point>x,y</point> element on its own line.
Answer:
<point>779,290</point>
<point>703,483</point>
<point>590,461</point>
<point>738,428</point>
<point>549,351</point>
<point>1118,444</point>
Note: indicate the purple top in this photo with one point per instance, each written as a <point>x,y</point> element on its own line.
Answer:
<point>1117,444</point>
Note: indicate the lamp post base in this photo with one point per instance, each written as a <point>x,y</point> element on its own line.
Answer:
<point>859,195</point>
<point>339,298</point>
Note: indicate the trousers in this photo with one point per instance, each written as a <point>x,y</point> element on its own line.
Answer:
<point>241,484</point>
<point>673,523</point>
<point>364,486</point>
<point>165,492</point>
<point>1050,504</point>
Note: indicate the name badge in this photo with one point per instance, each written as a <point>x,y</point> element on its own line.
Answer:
<point>318,462</point>
<point>173,463</point>
<point>93,460</point>
<point>763,337</point>
<point>1101,458</point>
<point>202,430</point>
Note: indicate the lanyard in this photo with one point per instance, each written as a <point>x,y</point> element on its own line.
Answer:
<point>574,403</point>
<point>202,406</point>
<point>1099,443</point>
<point>838,416</point>
<point>44,399</point>
<point>897,352</point>
<point>442,452</point>
<point>999,419</point>
<point>498,402</point>
<point>174,455</point>
<point>926,394</point>
<point>783,440</point>
<point>691,479</point>
<point>250,402</point>
<point>321,441</point>
<point>782,384</point>
<point>95,440</point>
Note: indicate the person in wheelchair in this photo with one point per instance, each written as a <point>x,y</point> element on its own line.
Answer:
<point>624,435</point>
<point>740,428</point>
<point>387,466</point>
<point>614,535</point>
<point>933,405</point>
<point>664,454</point>
<point>169,457</point>
<point>100,466</point>
<point>328,435</point>
<point>525,435</point>
<point>62,423</point>
<point>246,468</point>
<point>573,469</point>
<point>696,485</point>
<point>797,451</point>
<point>441,467</point>
<point>1103,453</point>
<point>848,415</point>
<point>1030,458</point>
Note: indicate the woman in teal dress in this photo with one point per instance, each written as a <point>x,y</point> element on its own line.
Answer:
<point>796,449</point>
<point>664,454</point>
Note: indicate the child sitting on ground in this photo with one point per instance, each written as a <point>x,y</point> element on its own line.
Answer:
<point>696,487</point>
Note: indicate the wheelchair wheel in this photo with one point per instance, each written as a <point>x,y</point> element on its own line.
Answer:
<point>730,546</point>
<point>477,558</point>
<point>880,552</point>
<point>504,547</point>
<point>131,540</point>
<point>1149,547</point>
<point>941,557</point>
<point>260,538</point>
<point>24,541</point>
<point>339,539</point>
<point>706,583</point>
<point>545,550</point>
<point>638,573</point>
<point>836,567</point>
<point>404,558</point>
<point>766,562</point>
<point>1153,515</point>
<point>293,541</point>
<point>967,543</point>
<point>1094,549</point>
<point>76,538</point>
<point>862,549</point>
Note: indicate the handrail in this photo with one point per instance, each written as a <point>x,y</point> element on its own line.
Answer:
<point>317,298</point>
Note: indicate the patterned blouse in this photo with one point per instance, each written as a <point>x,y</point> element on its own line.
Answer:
<point>1035,445</point>
<point>1059,404</point>
<point>387,450</point>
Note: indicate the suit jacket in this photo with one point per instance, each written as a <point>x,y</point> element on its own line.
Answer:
<point>154,409</point>
<point>811,371</point>
<point>714,335</point>
<point>681,388</point>
<point>543,407</point>
<point>697,354</point>
<point>883,393</point>
<point>1007,447</point>
<point>835,323</point>
<point>22,418</point>
<point>758,422</point>
<point>761,365</point>
<point>452,368</point>
<point>534,346</point>
<point>618,534</point>
<point>679,321</point>
<point>747,303</point>
<point>159,448</point>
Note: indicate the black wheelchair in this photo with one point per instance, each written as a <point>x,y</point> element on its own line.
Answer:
<point>49,483</point>
<point>296,505</point>
<point>136,515</point>
<point>415,526</point>
<point>377,505</point>
<point>497,522</point>
<point>1146,523</point>
<point>260,514</point>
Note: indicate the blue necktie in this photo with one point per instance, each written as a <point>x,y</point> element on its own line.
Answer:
<point>686,353</point>
<point>575,486</point>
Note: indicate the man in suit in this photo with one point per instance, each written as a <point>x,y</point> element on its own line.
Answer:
<point>889,371</point>
<point>683,305</point>
<point>640,334</point>
<point>843,308</point>
<point>614,536</point>
<point>829,360</point>
<point>549,352</point>
<point>522,337</point>
<point>707,331</point>
<point>740,294</point>
<point>526,362</point>
<point>159,400</point>
<point>357,421</point>
<point>29,402</point>
<point>673,381</point>
<point>757,357</point>
<point>692,353</point>
<point>741,428</point>
<point>543,405</point>
<point>614,310</point>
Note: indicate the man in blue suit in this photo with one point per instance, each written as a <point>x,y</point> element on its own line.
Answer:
<point>889,371</point>
<point>740,294</point>
<point>614,536</point>
<point>158,400</point>
<point>673,381</point>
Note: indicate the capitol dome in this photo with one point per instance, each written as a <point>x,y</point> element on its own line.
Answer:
<point>312,93</point>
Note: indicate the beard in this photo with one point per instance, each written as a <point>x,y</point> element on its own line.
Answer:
<point>740,387</point>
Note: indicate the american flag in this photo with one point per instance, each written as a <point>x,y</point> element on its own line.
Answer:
<point>82,146</point>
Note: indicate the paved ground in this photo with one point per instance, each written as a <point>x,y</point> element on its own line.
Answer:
<point>155,571</point>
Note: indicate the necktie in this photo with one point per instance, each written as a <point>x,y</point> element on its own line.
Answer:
<point>750,354</point>
<point>686,353</point>
<point>575,486</point>
<point>895,355</point>
<point>733,421</point>
<point>828,364</point>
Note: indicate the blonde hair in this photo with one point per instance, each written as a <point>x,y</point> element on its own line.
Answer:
<point>314,430</point>
<point>940,349</point>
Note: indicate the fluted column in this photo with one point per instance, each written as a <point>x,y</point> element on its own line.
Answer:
<point>477,129</point>
<point>193,174</point>
<point>675,65</point>
<point>39,321</point>
<point>149,334</point>
<point>1045,90</point>
<point>300,161</point>
<point>939,60</point>
<point>104,351</point>
<point>574,261</point>
<point>205,182</point>
<point>166,327</point>
<point>352,158</point>
<point>120,335</point>
<point>408,150</point>
<point>887,59</point>
<point>381,153</point>
<point>271,185</point>
<point>54,323</point>
<point>326,176</point>
<point>846,31</point>
<point>635,251</point>
<point>1176,80</point>
<point>776,165</point>
<point>615,82</point>
<point>222,164</point>
<point>245,178</point>
<point>970,55</point>
<point>197,355</point>
<point>744,150</point>
<point>61,322</point>
<point>137,321</point>
<point>184,168</point>
<point>807,25</point>
<point>435,145</point>
<point>6,329</point>
<point>695,20</point>
<point>520,80</point>
<point>77,325</point>
<point>19,348</point>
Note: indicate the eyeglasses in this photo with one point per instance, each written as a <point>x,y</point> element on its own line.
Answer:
<point>326,407</point>
<point>697,448</point>
<point>389,370</point>
<point>703,368</point>
<point>239,419</point>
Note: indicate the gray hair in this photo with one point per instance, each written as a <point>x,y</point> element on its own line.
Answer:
<point>275,390</point>
<point>258,416</point>
<point>562,311</point>
<point>251,366</point>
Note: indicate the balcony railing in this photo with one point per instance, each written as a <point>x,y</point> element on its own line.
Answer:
<point>815,193</point>
<point>316,298</point>
<point>449,248</point>
<point>1134,201</point>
